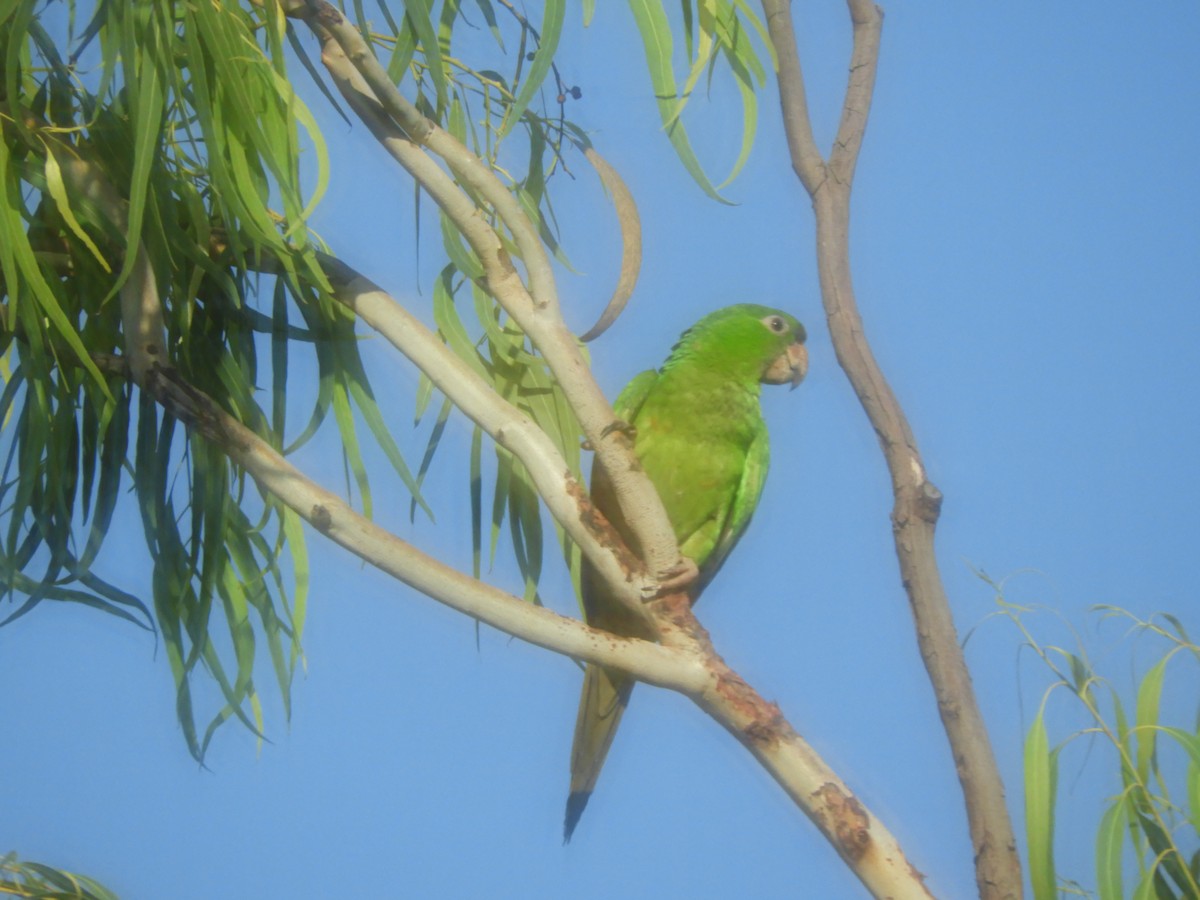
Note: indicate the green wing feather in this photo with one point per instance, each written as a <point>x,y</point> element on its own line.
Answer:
<point>745,501</point>
<point>634,395</point>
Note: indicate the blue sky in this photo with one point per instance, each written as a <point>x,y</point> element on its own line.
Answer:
<point>1026,239</point>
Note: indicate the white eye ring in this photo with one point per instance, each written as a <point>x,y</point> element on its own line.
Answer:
<point>776,324</point>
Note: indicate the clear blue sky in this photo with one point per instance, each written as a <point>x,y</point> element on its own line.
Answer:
<point>1026,240</point>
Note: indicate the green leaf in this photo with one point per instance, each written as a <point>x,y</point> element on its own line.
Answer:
<point>534,211</point>
<point>8,7</point>
<point>525,525</point>
<point>19,266</point>
<point>148,108</point>
<point>552,21</point>
<point>343,414</point>
<point>360,391</point>
<point>402,53</point>
<point>435,438</point>
<point>58,192</point>
<point>1193,793</point>
<point>476,487</point>
<point>293,531</point>
<point>419,14</point>
<point>655,30</point>
<point>1145,887</point>
<point>280,344</point>
<point>450,325</point>
<point>489,16</point>
<point>1040,778</point>
<point>764,36</point>
<point>1109,841</point>
<point>743,63</point>
<point>421,401</point>
<point>703,54</point>
<point>298,112</point>
<point>301,53</point>
<point>36,880</point>
<point>504,468</point>
<point>1146,717</point>
<point>461,256</point>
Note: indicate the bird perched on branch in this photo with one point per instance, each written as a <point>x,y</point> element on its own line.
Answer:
<point>699,433</point>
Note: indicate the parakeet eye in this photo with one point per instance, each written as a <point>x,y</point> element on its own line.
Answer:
<point>776,324</point>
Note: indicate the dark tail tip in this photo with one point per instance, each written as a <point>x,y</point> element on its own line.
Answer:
<point>575,805</point>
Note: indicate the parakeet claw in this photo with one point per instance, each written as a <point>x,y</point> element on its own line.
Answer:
<point>619,425</point>
<point>677,578</point>
<point>616,425</point>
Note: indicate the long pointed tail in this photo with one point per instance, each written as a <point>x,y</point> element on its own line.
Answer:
<point>601,705</point>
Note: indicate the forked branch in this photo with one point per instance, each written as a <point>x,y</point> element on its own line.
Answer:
<point>414,141</point>
<point>397,124</point>
<point>917,500</point>
<point>866,845</point>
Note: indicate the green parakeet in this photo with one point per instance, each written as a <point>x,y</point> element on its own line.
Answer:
<point>700,436</point>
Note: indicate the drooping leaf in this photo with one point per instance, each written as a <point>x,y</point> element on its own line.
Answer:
<point>1110,839</point>
<point>658,45</point>
<point>1146,717</point>
<point>553,13</point>
<point>419,14</point>
<point>1040,778</point>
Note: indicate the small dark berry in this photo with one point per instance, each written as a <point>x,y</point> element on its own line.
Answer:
<point>576,93</point>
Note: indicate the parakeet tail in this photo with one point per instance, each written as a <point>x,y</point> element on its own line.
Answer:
<point>601,705</point>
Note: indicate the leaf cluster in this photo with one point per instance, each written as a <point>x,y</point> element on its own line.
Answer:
<point>38,881</point>
<point>158,150</point>
<point>1153,818</point>
<point>174,131</point>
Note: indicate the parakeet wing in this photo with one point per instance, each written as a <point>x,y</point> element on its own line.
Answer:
<point>634,394</point>
<point>601,614</point>
<point>741,509</point>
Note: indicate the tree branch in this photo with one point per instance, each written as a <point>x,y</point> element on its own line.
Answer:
<point>917,500</point>
<point>866,845</point>
<point>695,670</point>
<point>336,520</point>
<point>397,124</point>
<point>403,131</point>
<point>687,664</point>
<point>565,498</point>
<point>141,308</point>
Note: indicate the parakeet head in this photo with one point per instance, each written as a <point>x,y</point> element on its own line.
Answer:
<point>746,341</point>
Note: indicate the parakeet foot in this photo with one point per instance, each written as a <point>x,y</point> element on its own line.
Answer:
<point>616,425</point>
<point>677,578</point>
<point>619,425</point>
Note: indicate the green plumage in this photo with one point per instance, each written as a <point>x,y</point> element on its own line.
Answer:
<point>701,438</point>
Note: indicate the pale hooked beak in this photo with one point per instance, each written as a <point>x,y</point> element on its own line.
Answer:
<point>788,367</point>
